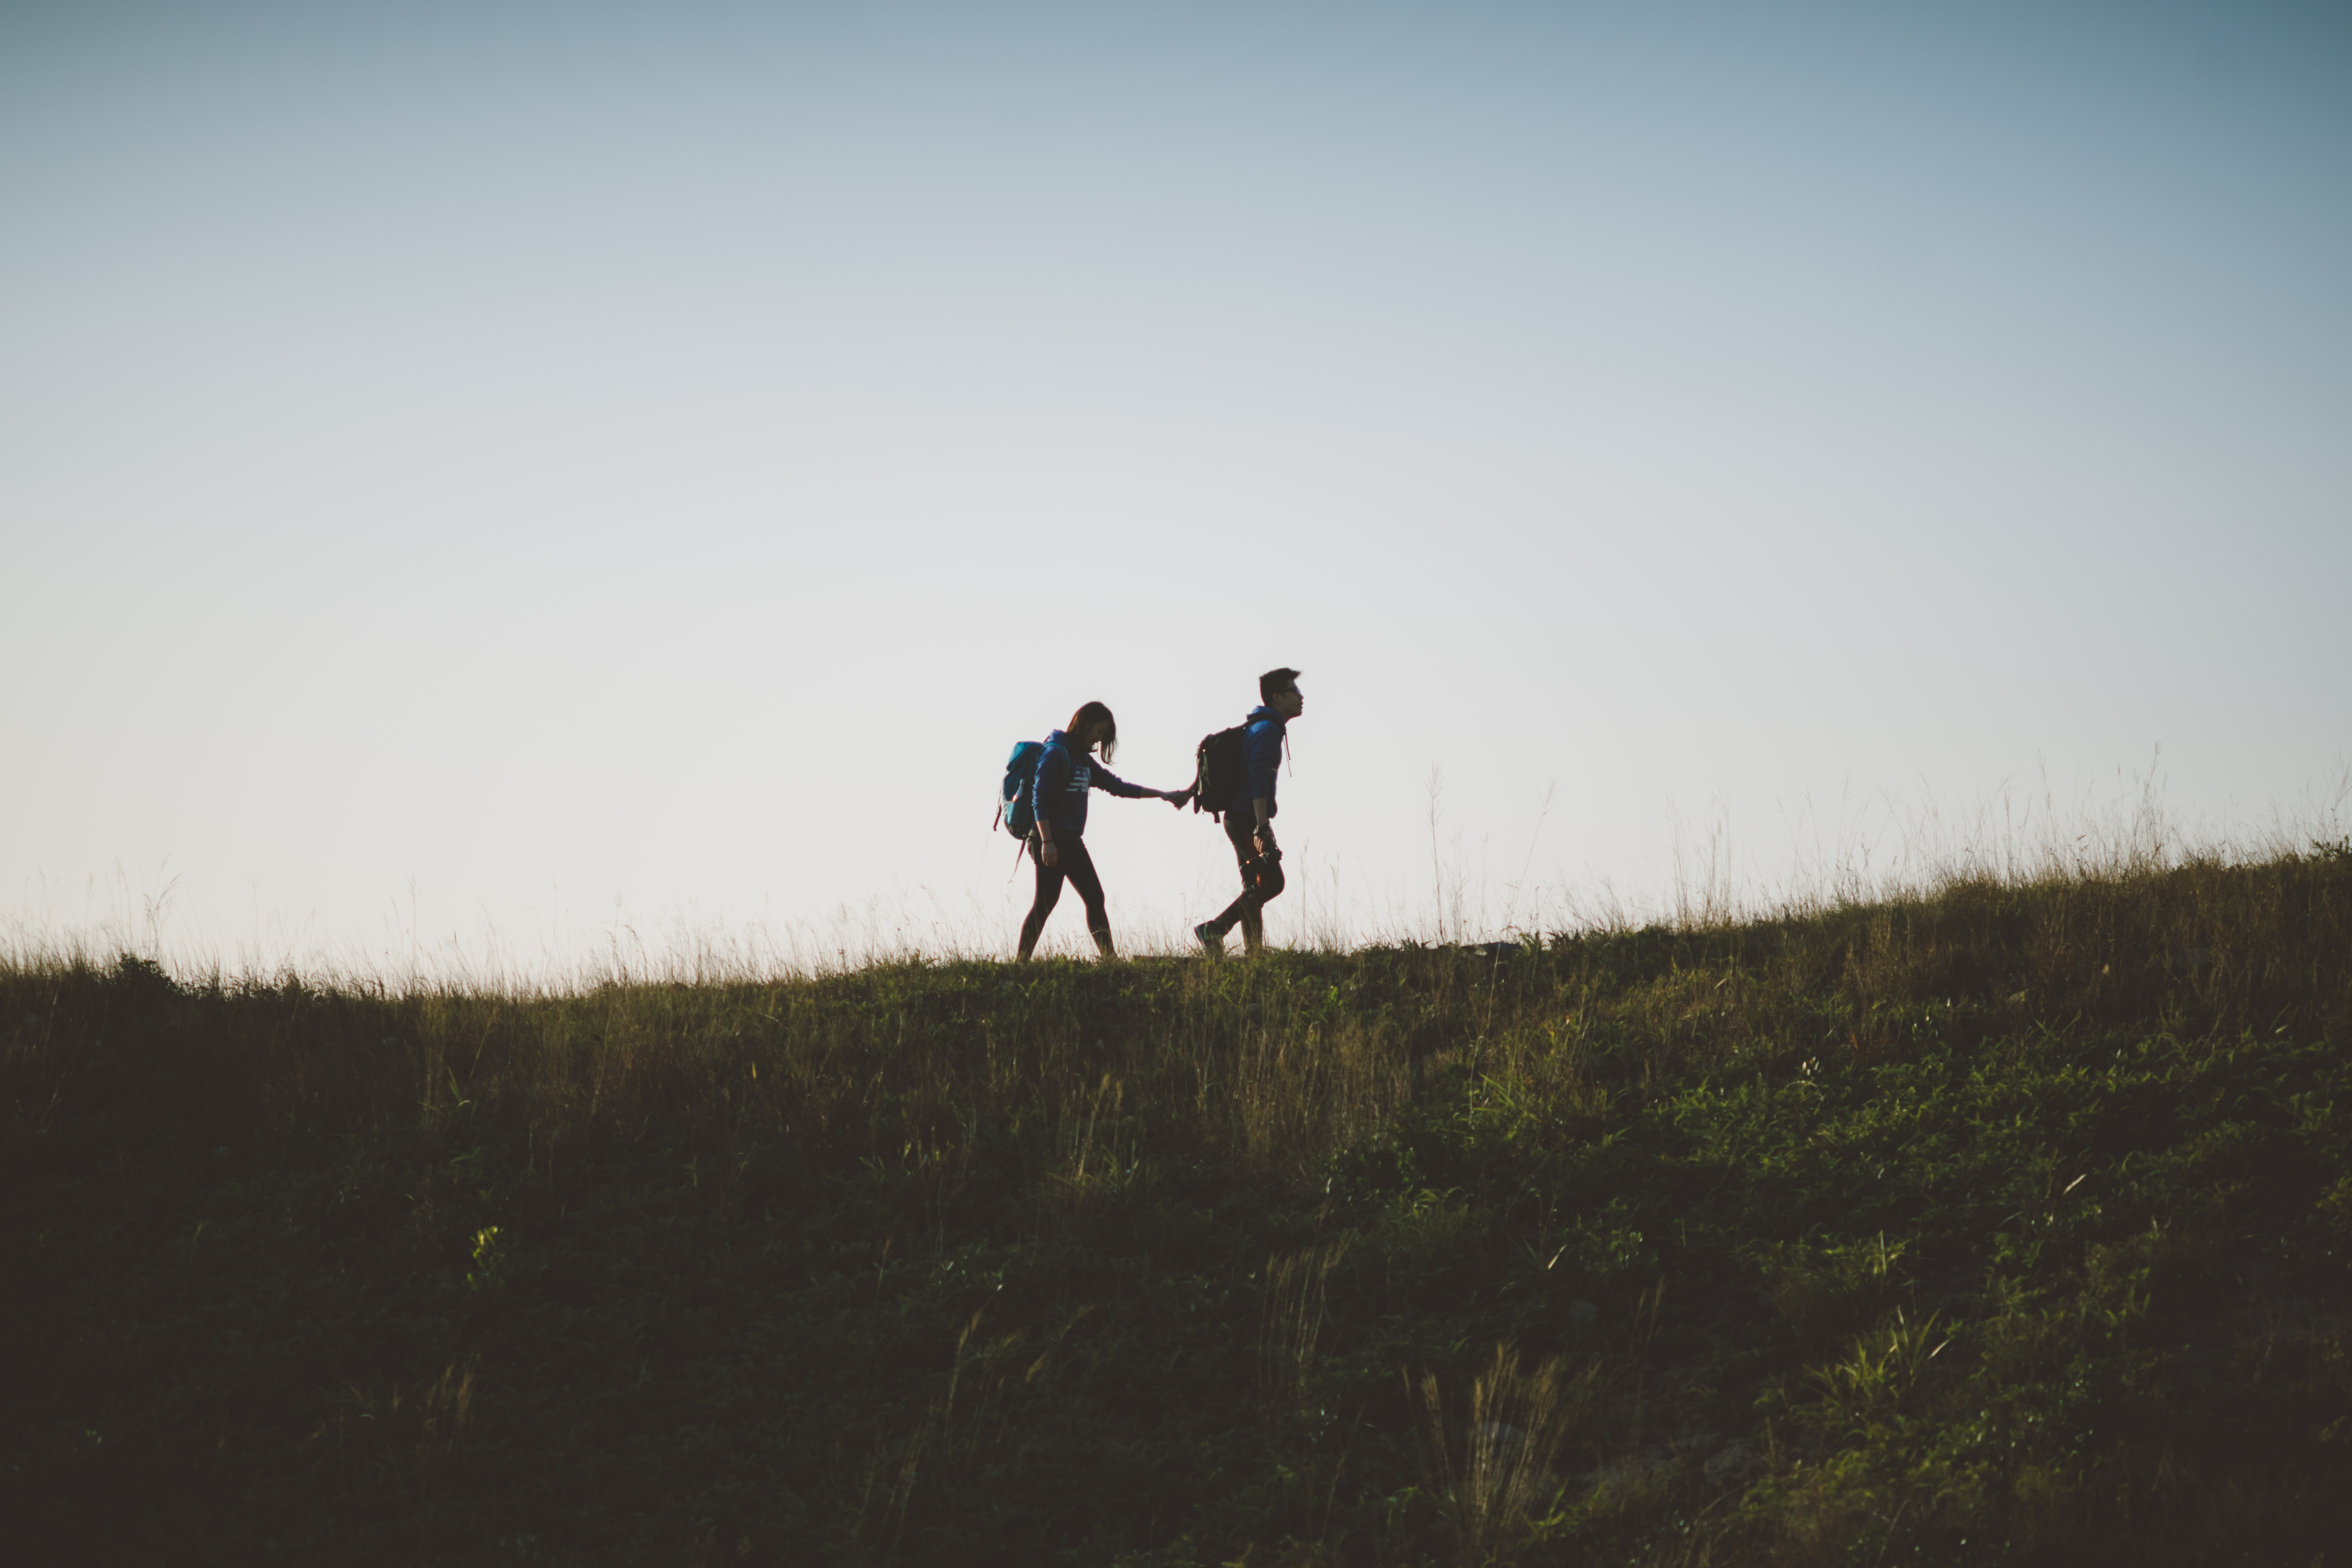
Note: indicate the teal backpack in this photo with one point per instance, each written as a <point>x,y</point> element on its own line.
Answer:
<point>1017,803</point>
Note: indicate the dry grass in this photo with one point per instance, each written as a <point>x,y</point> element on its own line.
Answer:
<point>1275,1064</point>
<point>1496,1469</point>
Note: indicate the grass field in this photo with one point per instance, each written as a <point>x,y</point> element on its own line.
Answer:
<point>2003,1223</point>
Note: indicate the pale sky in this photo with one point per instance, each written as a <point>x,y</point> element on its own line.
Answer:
<point>475,478</point>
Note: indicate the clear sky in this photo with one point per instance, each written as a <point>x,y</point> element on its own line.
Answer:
<point>505,474</point>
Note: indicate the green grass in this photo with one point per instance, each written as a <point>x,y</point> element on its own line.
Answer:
<point>2005,1224</point>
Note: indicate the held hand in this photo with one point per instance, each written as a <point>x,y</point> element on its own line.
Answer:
<point>1176,797</point>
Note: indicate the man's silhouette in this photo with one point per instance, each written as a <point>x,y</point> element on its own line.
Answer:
<point>1249,816</point>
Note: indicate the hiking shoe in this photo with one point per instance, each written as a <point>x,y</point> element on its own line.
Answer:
<point>1210,938</point>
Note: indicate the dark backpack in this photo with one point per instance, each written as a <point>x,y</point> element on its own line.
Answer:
<point>1218,772</point>
<point>1017,803</point>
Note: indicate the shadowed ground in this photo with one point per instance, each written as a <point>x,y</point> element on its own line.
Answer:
<point>2003,1225</point>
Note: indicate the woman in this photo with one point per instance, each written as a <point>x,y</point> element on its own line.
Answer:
<point>1065,772</point>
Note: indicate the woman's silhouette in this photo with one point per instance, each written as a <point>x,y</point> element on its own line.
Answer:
<point>1066,772</point>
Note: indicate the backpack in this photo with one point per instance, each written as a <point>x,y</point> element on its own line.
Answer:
<point>1017,803</point>
<point>1218,774</point>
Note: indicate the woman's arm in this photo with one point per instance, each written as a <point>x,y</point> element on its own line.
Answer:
<point>1043,792</point>
<point>1110,782</point>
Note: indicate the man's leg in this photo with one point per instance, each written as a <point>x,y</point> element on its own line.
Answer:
<point>1079,867</point>
<point>1243,911</point>
<point>1262,883</point>
<point>1049,893</point>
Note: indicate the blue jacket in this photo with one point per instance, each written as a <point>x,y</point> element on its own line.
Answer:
<point>1065,773</point>
<point>1261,761</point>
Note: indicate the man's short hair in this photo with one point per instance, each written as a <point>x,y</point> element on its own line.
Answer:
<point>1274,680</point>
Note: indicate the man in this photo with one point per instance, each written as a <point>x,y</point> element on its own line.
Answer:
<point>1249,816</point>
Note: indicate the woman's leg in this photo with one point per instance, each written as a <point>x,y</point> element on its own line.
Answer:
<point>1049,893</point>
<point>1080,867</point>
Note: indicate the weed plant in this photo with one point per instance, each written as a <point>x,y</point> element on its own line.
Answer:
<point>2001,1222</point>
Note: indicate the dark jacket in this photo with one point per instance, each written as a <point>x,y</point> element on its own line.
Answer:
<point>1065,773</point>
<point>1261,761</point>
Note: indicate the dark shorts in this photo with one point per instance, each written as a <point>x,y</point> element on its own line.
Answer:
<point>1261,875</point>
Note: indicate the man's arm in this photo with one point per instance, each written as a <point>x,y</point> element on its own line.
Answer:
<point>1262,756</point>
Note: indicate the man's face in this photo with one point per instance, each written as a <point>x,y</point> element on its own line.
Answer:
<point>1290,704</point>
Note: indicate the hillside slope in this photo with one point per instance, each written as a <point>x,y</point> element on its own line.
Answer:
<point>2004,1225</point>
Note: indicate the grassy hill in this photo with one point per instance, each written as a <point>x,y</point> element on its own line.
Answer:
<point>2003,1224</point>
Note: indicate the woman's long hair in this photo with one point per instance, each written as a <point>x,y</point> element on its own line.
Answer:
<point>1090,714</point>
